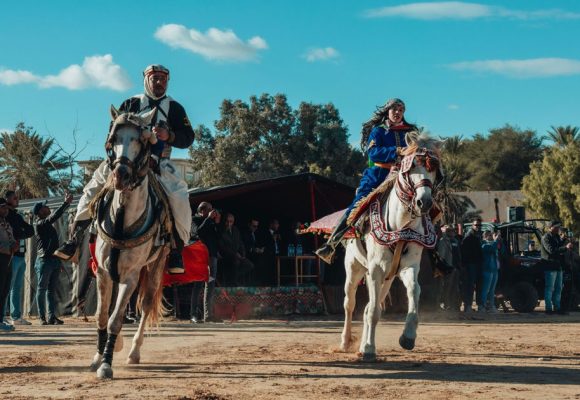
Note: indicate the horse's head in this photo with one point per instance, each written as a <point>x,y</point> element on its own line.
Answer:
<point>128,148</point>
<point>420,172</point>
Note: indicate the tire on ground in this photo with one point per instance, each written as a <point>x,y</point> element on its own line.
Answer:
<point>523,297</point>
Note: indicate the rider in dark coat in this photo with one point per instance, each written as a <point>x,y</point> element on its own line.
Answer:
<point>383,138</point>
<point>173,129</point>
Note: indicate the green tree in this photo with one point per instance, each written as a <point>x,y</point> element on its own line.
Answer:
<point>552,188</point>
<point>266,138</point>
<point>29,164</point>
<point>501,160</point>
<point>564,135</point>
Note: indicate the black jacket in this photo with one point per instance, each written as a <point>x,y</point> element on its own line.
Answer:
<point>205,229</point>
<point>471,252</point>
<point>552,250</point>
<point>20,229</point>
<point>46,235</point>
<point>181,134</point>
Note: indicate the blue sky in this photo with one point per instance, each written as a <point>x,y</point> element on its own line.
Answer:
<point>461,67</point>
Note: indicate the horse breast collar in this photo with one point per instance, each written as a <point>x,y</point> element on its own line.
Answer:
<point>386,238</point>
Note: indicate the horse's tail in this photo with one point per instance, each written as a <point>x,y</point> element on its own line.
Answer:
<point>151,278</point>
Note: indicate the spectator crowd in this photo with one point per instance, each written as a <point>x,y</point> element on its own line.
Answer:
<point>477,260</point>
<point>243,253</point>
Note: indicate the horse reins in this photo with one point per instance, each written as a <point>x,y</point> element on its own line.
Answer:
<point>140,165</point>
<point>406,190</point>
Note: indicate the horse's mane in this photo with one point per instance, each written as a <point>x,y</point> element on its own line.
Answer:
<point>416,140</point>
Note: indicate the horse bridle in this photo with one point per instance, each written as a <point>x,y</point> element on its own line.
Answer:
<point>406,189</point>
<point>140,165</point>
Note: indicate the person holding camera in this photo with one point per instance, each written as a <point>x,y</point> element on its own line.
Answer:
<point>489,270</point>
<point>553,249</point>
<point>173,129</point>
<point>47,266</point>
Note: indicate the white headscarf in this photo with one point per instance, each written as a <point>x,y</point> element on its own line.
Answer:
<point>148,71</point>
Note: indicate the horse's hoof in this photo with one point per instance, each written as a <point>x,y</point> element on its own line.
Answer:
<point>105,371</point>
<point>406,343</point>
<point>133,360</point>
<point>97,359</point>
<point>368,357</point>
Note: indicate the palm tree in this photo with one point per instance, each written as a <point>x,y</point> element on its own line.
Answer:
<point>453,146</point>
<point>564,135</point>
<point>454,164</point>
<point>28,164</point>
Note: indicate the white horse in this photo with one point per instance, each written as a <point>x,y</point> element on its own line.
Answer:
<point>394,239</point>
<point>130,219</point>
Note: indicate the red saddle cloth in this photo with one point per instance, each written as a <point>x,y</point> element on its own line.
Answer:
<point>325,225</point>
<point>195,259</point>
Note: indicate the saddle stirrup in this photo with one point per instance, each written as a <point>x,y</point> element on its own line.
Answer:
<point>69,248</point>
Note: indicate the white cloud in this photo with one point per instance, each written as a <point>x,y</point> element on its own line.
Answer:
<point>453,107</point>
<point>96,72</point>
<point>321,54</point>
<point>213,45</point>
<point>464,11</point>
<point>6,130</point>
<point>531,68</point>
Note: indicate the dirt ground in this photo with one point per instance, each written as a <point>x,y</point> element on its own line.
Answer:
<point>507,356</point>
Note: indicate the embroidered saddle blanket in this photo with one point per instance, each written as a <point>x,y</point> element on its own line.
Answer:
<point>384,237</point>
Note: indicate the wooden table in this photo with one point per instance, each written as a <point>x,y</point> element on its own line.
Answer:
<point>298,268</point>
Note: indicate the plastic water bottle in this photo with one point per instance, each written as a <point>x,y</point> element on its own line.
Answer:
<point>291,250</point>
<point>298,249</point>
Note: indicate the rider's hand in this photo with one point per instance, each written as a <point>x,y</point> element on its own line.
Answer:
<point>148,136</point>
<point>161,133</point>
<point>212,214</point>
<point>68,198</point>
<point>399,151</point>
<point>569,246</point>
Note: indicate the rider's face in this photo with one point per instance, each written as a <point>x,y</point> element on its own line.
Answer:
<point>396,114</point>
<point>158,83</point>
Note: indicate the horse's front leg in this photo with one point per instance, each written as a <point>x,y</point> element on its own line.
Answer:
<point>150,298</point>
<point>354,273</point>
<point>375,279</point>
<point>385,288</point>
<point>126,288</point>
<point>409,276</point>
<point>105,289</point>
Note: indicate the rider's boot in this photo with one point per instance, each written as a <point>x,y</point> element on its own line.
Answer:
<point>326,252</point>
<point>69,248</point>
<point>175,260</point>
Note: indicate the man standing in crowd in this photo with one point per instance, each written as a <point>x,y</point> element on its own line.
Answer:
<point>553,249</point>
<point>204,228</point>
<point>21,231</point>
<point>47,266</point>
<point>448,249</point>
<point>8,245</point>
<point>254,246</point>
<point>472,257</point>
<point>273,248</point>
<point>231,248</point>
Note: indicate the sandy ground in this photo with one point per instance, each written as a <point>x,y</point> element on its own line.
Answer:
<point>507,356</point>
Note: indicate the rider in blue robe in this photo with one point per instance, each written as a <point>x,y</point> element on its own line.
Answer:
<point>383,138</point>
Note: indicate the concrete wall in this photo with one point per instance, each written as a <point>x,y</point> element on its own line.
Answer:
<point>484,201</point>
